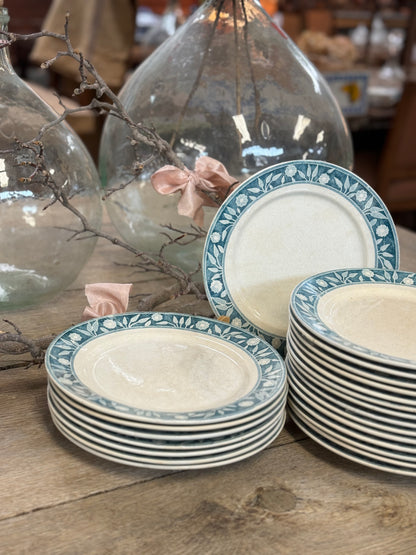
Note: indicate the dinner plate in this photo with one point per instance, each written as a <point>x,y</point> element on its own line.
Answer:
<point>408,414</point>
<point>166,463</point>
<point>340,417</point>
<point>376,394</point>
<point>283,224</point>
<point>117,434</point>
<point>116,441</point>
<point>347,452</point>
<point>166,368</point>
<point>331,354</point>
<point>402,386</point>
<point>165,431</point>
<point>366,444</point>
<point>367,312</point>
<point>370,417</point>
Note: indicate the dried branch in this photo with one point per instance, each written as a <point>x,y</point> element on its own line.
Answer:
<point>15,343</point>
<point>90,79</point>
<point>32,156</point>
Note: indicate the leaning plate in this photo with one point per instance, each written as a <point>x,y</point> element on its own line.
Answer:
<point>166,367</point>
<point>283,224</point>
<point>370,313</point>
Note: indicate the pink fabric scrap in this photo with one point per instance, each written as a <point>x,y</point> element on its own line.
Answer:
<point>106,298</point>
<point>208,185</point>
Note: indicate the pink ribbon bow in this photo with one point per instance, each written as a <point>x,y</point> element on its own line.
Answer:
<point>208,185</point>
<point>106,298</point>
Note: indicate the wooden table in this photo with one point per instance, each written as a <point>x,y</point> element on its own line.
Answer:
<point>294,497</point>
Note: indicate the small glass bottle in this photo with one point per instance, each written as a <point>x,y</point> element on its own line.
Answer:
<point>38,258</point>
<point>228,84</point>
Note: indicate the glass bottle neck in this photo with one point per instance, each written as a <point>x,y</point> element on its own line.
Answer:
<point>233,4</point>
<point>5,63</point>
<point>245,10</point>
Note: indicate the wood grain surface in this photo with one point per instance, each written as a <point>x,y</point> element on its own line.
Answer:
<point>294,497</point>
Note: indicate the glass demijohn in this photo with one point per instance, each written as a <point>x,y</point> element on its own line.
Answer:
<point>228,84</point>
<point>38,259</point>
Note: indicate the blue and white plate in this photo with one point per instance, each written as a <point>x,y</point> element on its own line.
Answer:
<point>165,446</point>
<point>169,463</point>
<point>352,452</point>
<point>283,224</point>
<point>167,368</point>
<point>164,434</point>
<point>365,312</point>
<point>164,450</point>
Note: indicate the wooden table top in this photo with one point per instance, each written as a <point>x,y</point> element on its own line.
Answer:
<point>294,497</point>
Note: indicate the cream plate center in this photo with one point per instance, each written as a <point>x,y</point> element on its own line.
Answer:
<point>171,370</point>
<point>380,317</point>
<point>290,234</point>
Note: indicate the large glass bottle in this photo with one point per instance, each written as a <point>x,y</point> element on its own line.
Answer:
<point>38,255</point>
<point>228,84</point>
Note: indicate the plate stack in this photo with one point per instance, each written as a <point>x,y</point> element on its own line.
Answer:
<point>351,362</point>
<point>164,390</point>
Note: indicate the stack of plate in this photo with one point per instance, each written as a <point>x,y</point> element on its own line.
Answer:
<point>351,361</point>
<point>164,390</point>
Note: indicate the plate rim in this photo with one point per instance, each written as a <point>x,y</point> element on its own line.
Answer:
<point>304,336</point>
<point>342,451</point>
<point>306,295</point>
<point>271,378</point>
<point>154,449</point>
<point>357,373</point>
<point>346,407</point>
<point>134,461</point>
<point>243,197</point>
<point>168,436</point>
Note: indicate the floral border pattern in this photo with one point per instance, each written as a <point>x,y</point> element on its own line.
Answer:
<point>323,174</point>
<point>270,365</point>
<point>305,299</point>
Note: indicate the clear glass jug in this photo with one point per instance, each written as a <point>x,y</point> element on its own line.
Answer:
<point>38,259</point>
<point>228,84</point>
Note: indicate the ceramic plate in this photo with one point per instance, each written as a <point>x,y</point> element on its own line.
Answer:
<point>331,354</point>
<point>343,417</point>
<point>347,452</point>
<point>116,441</point>
<point>165,431</point>
<point>166,367</point>
<point>407,414</point>
<point>372,418</point>
<point>364,443</point>
<point>166,441</point>
<point>404,386</point>
<point>374,393</point>
<point>368,312</point>
<point>283,224</point>
<point>166,463</point>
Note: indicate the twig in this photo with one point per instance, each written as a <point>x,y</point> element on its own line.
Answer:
<point>15,343</point>
<point>140,134</point>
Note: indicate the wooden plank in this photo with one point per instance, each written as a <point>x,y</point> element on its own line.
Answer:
<point>291,499</point>
<point>38,466</point>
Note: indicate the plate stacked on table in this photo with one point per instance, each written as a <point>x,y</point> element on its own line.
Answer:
<point>283,224</point>
<point>164,390</point>
<point>351,362</point>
